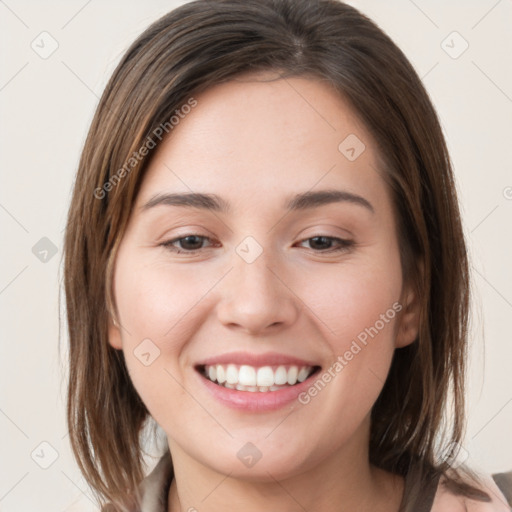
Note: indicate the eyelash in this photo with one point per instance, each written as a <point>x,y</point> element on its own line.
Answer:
<point>344,245</point>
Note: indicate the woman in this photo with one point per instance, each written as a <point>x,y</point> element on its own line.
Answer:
<point>264,255</point>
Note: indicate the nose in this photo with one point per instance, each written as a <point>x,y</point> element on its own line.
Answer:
<point>256,299</point>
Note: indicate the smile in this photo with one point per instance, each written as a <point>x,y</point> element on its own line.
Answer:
<point>256,379</point>
<point>255,383</point>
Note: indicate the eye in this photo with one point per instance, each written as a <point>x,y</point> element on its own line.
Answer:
<point>193,243</point>
<point>328,243</point>
<point>186,244</point>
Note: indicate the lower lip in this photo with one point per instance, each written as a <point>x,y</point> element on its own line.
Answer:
<point>256,401</point>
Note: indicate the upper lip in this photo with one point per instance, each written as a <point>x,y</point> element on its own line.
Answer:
<point>257,360</point>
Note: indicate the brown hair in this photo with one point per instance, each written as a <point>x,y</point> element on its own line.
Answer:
<point>204,43</point>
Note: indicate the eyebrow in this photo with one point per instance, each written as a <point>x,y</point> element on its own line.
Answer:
<point>298,202</point>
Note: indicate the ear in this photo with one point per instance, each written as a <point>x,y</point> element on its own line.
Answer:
<point>409,319</point>
<point>114,333</point>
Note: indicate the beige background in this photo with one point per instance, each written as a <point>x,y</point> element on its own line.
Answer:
<point>46,106</point>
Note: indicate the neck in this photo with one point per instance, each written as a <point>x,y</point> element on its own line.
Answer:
<point>343,482</point>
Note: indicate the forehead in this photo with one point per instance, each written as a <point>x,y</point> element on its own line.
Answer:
<point>262,134</point>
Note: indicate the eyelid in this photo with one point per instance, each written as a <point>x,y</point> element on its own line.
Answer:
<point>326,229</point>
<point>182,231</point>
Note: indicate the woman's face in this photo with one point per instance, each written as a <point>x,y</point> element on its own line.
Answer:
<point>263,282</point>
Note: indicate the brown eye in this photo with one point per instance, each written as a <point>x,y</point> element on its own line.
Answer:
<point>328,243</point>
<point>189,243</point>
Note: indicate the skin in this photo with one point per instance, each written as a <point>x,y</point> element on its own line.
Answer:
<point>255,142</point>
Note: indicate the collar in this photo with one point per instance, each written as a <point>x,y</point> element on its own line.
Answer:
<point>154,489</point>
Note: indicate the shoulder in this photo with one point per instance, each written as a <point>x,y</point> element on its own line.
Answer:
<point>446,501</point>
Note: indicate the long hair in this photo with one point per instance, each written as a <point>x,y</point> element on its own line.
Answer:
<point>207,42</point>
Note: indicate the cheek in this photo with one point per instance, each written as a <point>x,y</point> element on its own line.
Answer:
<point>159,309</point>
<point>358,308</point>
<point>354,300</point>
<point>158,302</point>
<point>162,307</point>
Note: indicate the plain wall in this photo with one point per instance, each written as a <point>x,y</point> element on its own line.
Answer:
<point>46,106</point>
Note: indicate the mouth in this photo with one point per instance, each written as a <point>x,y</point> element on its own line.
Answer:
<point>257,379</point>
<point>255,383</point>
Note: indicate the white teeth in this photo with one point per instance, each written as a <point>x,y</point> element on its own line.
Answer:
<point>249,378</point>
<point>265,376</point>
<point>292,375</point>
<point>303,375</point>
<point>281,376</point>
<point>232,374</point>
<point>221,374</point>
